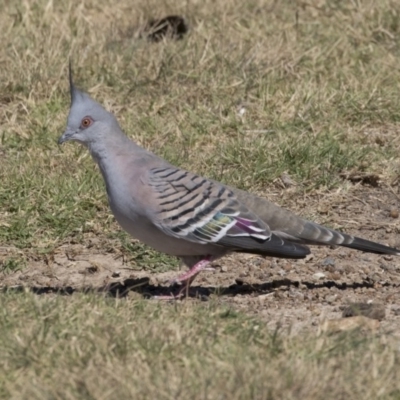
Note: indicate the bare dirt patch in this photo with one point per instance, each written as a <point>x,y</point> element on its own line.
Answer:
<point>297,294</point>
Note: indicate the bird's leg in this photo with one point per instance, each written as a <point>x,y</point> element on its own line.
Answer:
<point>189,276</point>
<point>186,279</point>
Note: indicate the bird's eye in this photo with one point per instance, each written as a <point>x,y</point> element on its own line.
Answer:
<point>86,122</point>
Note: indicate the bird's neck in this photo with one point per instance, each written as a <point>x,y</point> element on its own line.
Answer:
<point>116,156</point>
<point>109,148</point>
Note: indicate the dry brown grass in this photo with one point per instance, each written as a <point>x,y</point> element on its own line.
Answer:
<point>319,84</point>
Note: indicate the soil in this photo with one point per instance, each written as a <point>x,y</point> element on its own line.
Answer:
<point>298,295</point>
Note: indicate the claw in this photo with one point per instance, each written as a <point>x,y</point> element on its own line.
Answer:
<point>186,279</point>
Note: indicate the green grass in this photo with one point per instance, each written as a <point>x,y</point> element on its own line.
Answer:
<point>319,83</point>
<point>92,347</point>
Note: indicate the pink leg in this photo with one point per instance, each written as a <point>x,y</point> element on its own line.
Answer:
<point>192,273</point>
<point>186,279</point>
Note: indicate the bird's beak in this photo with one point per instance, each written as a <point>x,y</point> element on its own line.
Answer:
<point>65,137</point>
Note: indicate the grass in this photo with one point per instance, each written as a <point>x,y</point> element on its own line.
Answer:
<point>100,348</point>
<point>316,80</point>
<point>309,89</point>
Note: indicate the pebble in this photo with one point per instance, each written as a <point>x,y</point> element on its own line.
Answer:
<point>319,275</point>
<point>330,298</point>
<point>375,277</point>
<point>298,296</point>
<point>334,276</point>
<point>329,261</point>
<point>396,311</point>
<point>351,269</point>
<point>302,286</point>
<point>263,297</point>
<point>279,294</point>
<point>394,213</point>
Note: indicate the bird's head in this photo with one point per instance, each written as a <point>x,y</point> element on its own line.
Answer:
<point>88,122</point>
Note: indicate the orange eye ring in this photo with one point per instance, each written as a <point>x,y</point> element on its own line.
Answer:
<point>86,122</point>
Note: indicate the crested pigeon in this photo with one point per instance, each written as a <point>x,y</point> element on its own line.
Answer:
<point>185,215</point>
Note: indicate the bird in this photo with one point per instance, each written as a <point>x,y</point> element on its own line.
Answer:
<point>183,214</point>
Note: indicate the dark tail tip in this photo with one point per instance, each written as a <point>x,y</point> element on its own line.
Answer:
<point>371,247</point>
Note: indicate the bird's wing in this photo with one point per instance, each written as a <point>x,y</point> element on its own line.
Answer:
<point>187,206</point>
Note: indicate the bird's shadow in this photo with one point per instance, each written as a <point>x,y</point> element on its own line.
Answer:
<point>143,287</point>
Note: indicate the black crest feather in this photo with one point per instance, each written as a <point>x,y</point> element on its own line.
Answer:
<point>72,89</point>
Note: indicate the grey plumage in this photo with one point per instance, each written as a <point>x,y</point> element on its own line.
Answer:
<point>306,232</point>
<point>182,214</point>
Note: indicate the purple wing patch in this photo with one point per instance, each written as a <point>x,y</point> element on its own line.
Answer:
<point>250,227</point>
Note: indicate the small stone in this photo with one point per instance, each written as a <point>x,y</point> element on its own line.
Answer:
<point>116,274</point>
<point>224,268</point>
<point>329,262</point>
<point>309,257</point>
<point>302,286</point>
<point>394,213</point>
<point>396,311</point>
<point>330,268</point>
<point>263,297</point>
<point>335,276</point>
<point>349,268</point>
<point>330,298</point>
<point>241,110</point>
<point>375,277</point>
<point>279,294</point>
<point>297,295</point>
<point>264,276</point>
<point>319,275</point>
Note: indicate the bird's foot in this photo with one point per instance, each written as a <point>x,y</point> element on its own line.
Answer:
<point>181,293</point>
<point>192,273</point>
<point>186,279</point>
